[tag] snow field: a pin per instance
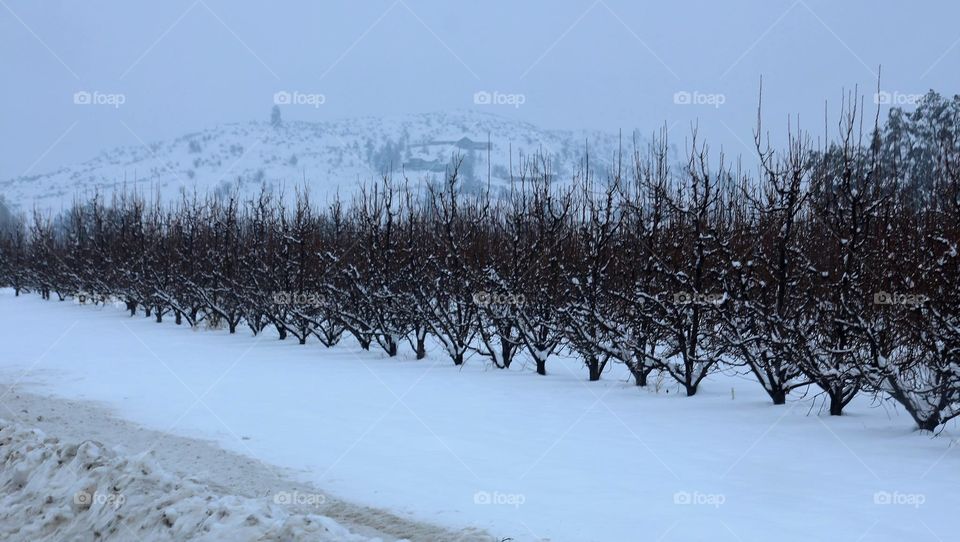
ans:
(523, 456)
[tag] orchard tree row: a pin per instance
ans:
(832, 266)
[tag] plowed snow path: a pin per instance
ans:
(250, 499)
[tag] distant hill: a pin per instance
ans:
(327, 157)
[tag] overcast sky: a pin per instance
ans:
(183, 65)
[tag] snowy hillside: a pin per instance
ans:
(327, 157)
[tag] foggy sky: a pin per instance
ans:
(183, 65)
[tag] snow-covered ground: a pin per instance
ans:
(236, 483)
(522, 456)
(70, 491)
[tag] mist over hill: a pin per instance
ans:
(327, 158)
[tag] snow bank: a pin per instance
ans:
(58, 491)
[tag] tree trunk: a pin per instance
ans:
(640, 373)
(929, 424)
(836, 403)
(391, 347)
(421, 346)
(506, 351)
(778, 394)
(593, 367)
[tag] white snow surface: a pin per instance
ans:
(522, 456)
(225, 472)
(78, 491)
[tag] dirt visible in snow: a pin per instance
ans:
(70, 470)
